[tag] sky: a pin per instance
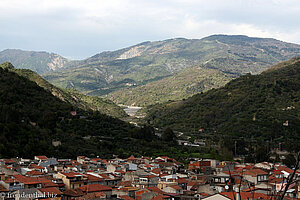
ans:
(78, 29)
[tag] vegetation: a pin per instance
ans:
(186, 83)
(40, 62)
(34, 122)
(253, 110)
(71, 96)
(152, 61)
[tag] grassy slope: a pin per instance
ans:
(186, 83)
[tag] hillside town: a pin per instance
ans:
(145, 179)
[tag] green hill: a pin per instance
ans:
(263, 107)
(186, 83)
(70, 96)
(34, 122)
(151, 61)
(40, 62)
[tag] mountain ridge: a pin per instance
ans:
(263, 107)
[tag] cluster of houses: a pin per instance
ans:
(145, 179)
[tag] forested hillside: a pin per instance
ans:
(263, 107)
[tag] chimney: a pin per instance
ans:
(238, 196)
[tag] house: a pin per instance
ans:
(264, 165)
(12, 184)
(94, 188)
(148, 181)
(199, 165)
(72, 180)
(173, 189)
(255, 175)
(245, 195)
(40, 158)
(216, 197)
(28, 182)
(50, 192)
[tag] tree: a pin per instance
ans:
(168, 135)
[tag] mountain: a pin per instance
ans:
(40, 62)
(182, 85)
(71, 96)
(35, 122)
(147, 62)
(263, 107)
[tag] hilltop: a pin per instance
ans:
(71, 96)
(38, 61)
(149, 62)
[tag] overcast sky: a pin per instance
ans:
(81, 28)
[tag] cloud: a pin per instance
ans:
(82, 27)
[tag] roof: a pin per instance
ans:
(34, 173)
(73, 193)
(93, 178)
(181, 180)
(176, 187)
(51, 191)
(286, 169)
(26, 180)
(125, 184)
(155, 189)
(94, 188)
(160, 197)
(45, 182)
(156, 170)
(125, 197)
(246, 195)
(255, 172)
(3, 189)
(37, 166)
(42, 157)
(71, 174)
(131, 158)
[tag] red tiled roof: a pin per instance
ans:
(51, 191)
(131, 158)
(156, 170)
(125, 184)
(93, 178)
(71, 174)
(255, 172)
(155, 189)
(277, 172)
(105, 176)
(34, 173)
(73, 193)
(96, 159)
(45, 182)
(26, 180)
(3, 189)
(125, 197)
(94, 188)
(284, 168)
(42, 157)
(246, 195)
(160, 197)
(176, 187)
(37, 166)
